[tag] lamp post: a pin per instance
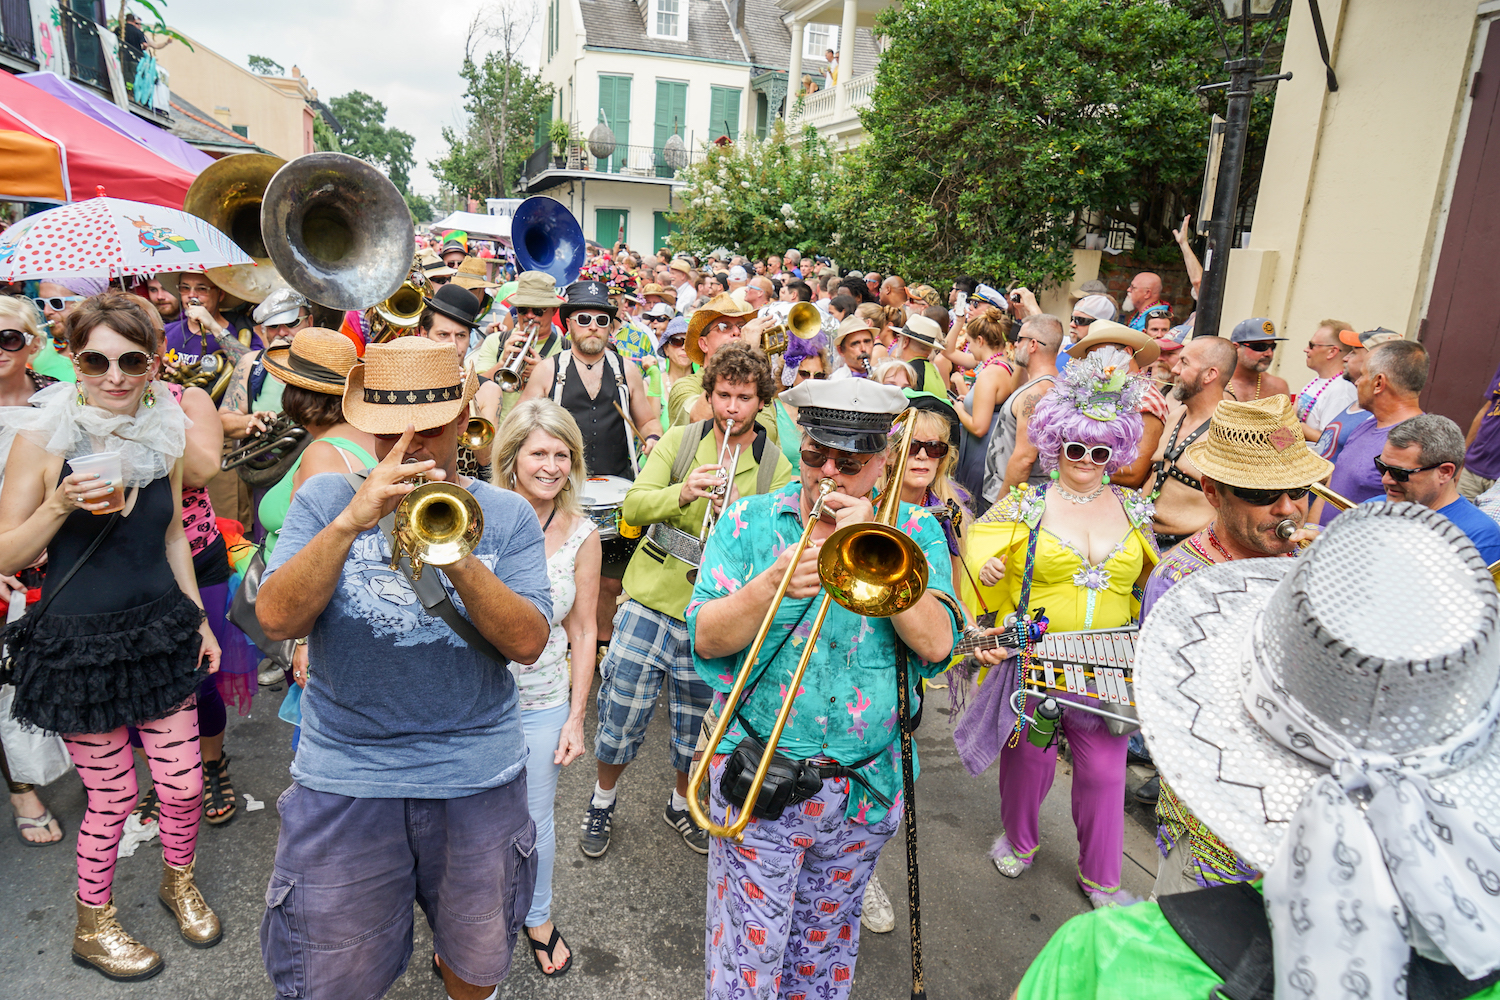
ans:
(1242, 70)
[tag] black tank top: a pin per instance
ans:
(604, 447)
(129, 569)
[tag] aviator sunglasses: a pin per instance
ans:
(1099, 454)
(94, 364)
(815, 459)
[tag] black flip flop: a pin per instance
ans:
(548, 948)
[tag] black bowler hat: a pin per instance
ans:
(456, 303)
(587, 295)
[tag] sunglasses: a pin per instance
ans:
(94, 364)
(806, 374)
(57, 303)
(1399, 474)
(1081, 320)
(726, 327)
(529, 311)
(934, 449)
(430, 432)
(659, 319)
(1260, 346)
(587, 320)
(677, 340)
(1099, 454)
(13, 340)
(1265, 498)
(440, 279)
(815, 459)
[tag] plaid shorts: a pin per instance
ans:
(647, 648)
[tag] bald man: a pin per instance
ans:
(759, 292)
(1012, 459)
(893, 291)
(1202, 370)
(1143, 293)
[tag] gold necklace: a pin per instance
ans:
(1258, 377)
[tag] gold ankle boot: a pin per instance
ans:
(102, 943)
(200, 927)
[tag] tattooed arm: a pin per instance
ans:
(234, 410)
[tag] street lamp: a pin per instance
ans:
(1231, 14)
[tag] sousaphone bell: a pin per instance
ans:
(228, 195)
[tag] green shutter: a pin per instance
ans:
(607, 223)
(762, 113)
(724, 112)
(662, 230)
(671, 115)
(614, 101)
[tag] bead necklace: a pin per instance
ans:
(1258, 377)
(1077, 498)
(1303, 413)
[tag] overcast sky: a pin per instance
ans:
(404, 54)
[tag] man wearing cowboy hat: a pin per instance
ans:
(599, 388)
(252, 401)
(1342, 739)
(712, 325)
(1254, 469)
(1143, 350)
(535, 301)
(409, 781)
(786, 901)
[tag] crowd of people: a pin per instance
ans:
(665, 428)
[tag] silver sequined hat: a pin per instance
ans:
(1386, 632)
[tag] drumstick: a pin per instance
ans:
(638, 435)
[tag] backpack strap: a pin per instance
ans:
(257, 380)
(560, 375)
(687, 449)
(766, 471)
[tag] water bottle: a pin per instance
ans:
(1043, 728)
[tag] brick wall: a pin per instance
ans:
(1117, 270)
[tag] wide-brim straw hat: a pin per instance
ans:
(1257, 444)
(411, 380)
(1385, 630)
(661, 292)
(317, 359)
(1102, 331)
(849, 325)
(535, 290)
(472, 274)
(712, 311)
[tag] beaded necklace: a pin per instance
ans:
(1304, 412)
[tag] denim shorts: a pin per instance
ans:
(338, 920)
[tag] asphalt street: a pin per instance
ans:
(634, 918)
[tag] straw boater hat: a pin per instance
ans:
(535, 290)
(1333, 718)
(1257, 444)
(712, 311)
(1102, 331)
(411, 380)
(922, 330)
(316, 359)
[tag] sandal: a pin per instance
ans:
(42, 822)
(148, 809)
(219, 801)
(548, 949)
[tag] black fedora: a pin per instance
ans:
(456, 303)
(588, 294)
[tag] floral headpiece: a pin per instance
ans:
(1101, 386)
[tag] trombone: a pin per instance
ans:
(510, 374)
(479, 433)
(872, 569)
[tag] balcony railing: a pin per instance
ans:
(15, 29)
(140, 85)
(626, 161)
(85, 53)
(822, 108)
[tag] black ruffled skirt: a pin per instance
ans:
(96, 673)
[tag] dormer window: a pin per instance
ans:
(668, 19)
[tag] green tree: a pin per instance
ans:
(761, 196)
(266, 67)
(366, 135)
(994, 129)
(502, 101)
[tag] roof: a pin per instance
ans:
(764, 42)
(199, 128)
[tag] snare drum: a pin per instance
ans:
(603, 498)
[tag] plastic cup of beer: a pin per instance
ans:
(106, 465)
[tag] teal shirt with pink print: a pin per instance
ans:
(846, 707)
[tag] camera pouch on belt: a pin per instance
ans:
(788, 781)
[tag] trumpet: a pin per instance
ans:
(801, 319)
(1287, 527)
(267, 455)
(437, 524)
(872, 569)
(478, 433)
(722, 490)
(510, 374)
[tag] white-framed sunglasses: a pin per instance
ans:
(1077, 451)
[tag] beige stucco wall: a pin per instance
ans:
(274, 120)
(1347, 218)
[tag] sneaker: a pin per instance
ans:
(1149, 792)
(878, 916)
(692, 834)
(596, 823)
(1102, 900)
(270, 673)
(1007, 862)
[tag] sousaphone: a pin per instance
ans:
(337, 230)
(228, 196)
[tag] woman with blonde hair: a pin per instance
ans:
(893, 371)
(931, 461)
(994, 379)
(538, 453)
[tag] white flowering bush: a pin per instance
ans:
(760, 197)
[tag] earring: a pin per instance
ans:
(1053, 474)
(82, 399)
(1106, 479)
(149, 398)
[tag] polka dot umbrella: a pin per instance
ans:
(110, 237)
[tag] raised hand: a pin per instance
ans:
(388, 482)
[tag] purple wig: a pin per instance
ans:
(1057, 421)
(798, 351)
